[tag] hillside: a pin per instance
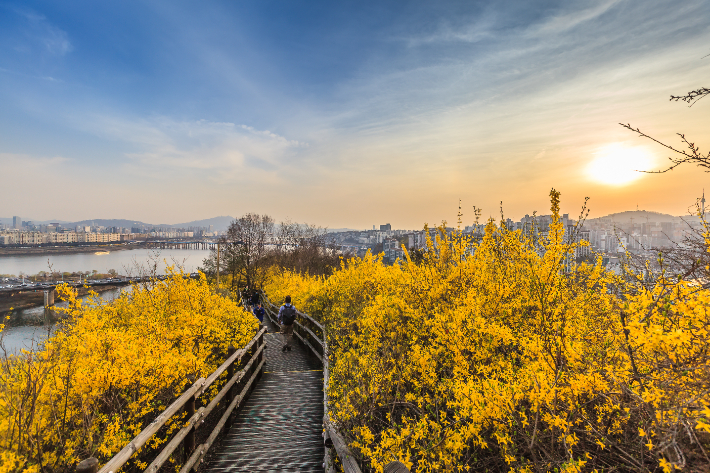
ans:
(642, 216)
(219, 223)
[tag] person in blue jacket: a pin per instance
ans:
(259, 312)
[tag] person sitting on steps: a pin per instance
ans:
(287, 316)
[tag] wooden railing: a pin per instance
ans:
(307, 329)
(254, 352)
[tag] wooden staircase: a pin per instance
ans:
(280, 427)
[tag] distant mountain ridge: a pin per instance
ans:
(219, 223)
(8, 221)
(340, 230)
(643, 216)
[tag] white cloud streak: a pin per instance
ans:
(53, 39)
(165, 146)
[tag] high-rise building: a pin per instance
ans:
(16, 222)
(385, 228)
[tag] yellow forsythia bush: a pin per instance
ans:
(110, 369)
(500, 355)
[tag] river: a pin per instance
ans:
(126, 262)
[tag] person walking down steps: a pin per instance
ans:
(287, 316)
(254, 299)
(259, 312)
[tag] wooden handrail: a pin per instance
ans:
(327, 463)
(200, 415)
(125, 454)
(312, 334)
(396, 467)
(199, 453)
(305, 342)
(229, 361)
(194, 392)
(314, 321)
(347, 459)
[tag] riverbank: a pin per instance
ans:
(69, 250)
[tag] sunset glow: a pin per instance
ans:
(619, 166)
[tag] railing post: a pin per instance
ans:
(260, 358)
(252, 353)
(188, 445)
(230, 393)
(90, 465)
(328, 442)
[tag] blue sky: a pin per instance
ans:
(342, 114)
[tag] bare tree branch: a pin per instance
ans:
(691, 97)
(692, 156)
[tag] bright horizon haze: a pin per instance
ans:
(347, 114)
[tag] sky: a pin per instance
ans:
(347, 114)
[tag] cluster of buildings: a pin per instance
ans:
(26, 233)
(639, 232)
(53, 238)
(608, 236)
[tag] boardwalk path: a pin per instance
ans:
(279, 428)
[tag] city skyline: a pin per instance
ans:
(223, 220)
(347, 115)
(221, 223)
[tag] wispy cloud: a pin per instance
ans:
(41, 31)
(479, 29)
(274, 136)
(17, 161)
(164, 145)
(571, 18)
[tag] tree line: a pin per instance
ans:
(255, 243)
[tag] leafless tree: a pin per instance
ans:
(243, 250)
(305, 249)
(253, 243)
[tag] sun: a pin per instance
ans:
(618, 165)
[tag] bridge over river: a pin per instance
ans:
(271, 415)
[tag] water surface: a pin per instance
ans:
(126, 262)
